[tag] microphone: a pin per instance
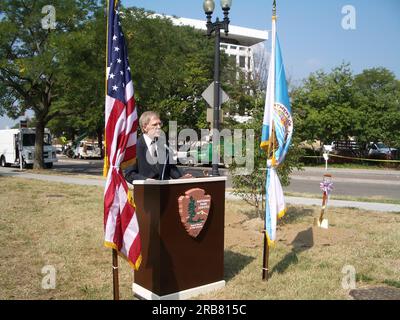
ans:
(166, 160)
(174, 153)
(169, 149)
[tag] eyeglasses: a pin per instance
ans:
(156, 124)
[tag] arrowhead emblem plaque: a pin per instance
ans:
(194, 208)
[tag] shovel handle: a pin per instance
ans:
(321, 217)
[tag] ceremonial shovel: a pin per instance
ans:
(326, 186)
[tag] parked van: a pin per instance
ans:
(10, 147)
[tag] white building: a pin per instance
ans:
(239, 42)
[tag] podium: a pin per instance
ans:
(177, 263)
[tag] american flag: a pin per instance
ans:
(120, 222)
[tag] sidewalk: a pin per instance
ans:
(53, 178)
(374, 206)
(64, 159)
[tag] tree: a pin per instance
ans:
(247, 95)
(377, 93)
(244, 91)
(325, 108)
(30, 49)
(192, 209)
(261, 64)
(171, 67)
(251, 187)
(340, 105)
(83, 73)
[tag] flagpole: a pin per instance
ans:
(265, 258)
(266, 245)
(265, 267)
(115, 274)
(105, 171)
(105, 165)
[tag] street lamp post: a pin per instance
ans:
(216, 26)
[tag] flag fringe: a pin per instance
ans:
(106, 166)
(135, 266)
(282, 213)
(265, 145)
(130, 199)
(271, 243)
(128, 163)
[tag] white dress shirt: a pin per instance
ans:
(151, 146)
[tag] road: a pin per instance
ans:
(303, 181)
(358, 183)
(362, 183)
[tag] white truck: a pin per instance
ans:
(10, 147)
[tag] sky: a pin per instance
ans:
(311, 32)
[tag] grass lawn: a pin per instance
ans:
(60, 225)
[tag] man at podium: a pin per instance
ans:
(152, 158)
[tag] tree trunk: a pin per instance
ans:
(38, 161)
(100, 140)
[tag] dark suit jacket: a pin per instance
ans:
(142, 169)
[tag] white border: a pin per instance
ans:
(143, 293)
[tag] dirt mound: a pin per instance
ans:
(256, 224)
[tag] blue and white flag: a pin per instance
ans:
(276, 135)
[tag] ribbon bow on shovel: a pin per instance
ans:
(326, 186)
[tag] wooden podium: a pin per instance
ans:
(176, 265)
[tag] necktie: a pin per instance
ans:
(153, 148)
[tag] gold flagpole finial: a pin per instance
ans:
(274, 9)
